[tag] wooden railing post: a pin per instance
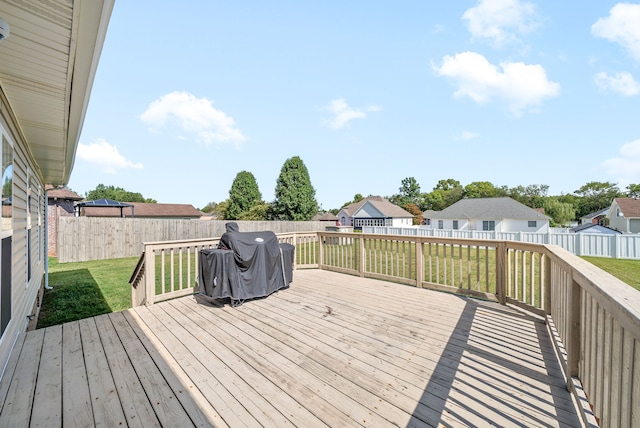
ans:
(419, 263)
(320, 251)
(501, 272)
(149, 275)
(546, 286)
(362, 259)
(574, 316)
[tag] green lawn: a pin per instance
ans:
(625, 270)
(86, 289)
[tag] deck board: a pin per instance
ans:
(332, 350)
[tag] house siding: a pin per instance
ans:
(24, 286)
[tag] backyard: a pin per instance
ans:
(86, 289)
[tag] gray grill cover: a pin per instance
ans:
(253, 264)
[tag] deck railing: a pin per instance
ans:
(593, 317)
(170, 269)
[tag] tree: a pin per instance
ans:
(209, 208)
(220, 210)
(295, 196)
(595, 196)
(356, 198)
(260, 212)
(409, 192)
(243, 195)
(117, 194)
(533, 196)
(633, 190)
(416, 211)
(482, 189)
(561, 213)
(447, 192)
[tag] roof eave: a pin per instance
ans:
(89, 29)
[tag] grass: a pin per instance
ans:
(623, 269)
(86, 289)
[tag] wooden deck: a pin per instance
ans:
(332, 350)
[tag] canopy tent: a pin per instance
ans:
(104, 203)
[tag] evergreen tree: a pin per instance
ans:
(295, 196)
(243, 195)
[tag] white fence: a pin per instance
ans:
(617, 246)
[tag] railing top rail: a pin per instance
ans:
(615, 296)
(177, 242)
(442, 239)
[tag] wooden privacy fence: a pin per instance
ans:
(593, 316)
(98, 238)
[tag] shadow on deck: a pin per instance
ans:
(332, 350)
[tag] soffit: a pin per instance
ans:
(47, 66)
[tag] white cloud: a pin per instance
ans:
(521, 86)
(501, 21)
(468, 135)
(195, 116)
(622, 82)
(626, 168)
(622, 27)
(343, 113)
(105, 155)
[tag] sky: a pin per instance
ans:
(366, 92)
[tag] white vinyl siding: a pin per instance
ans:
(23, 293)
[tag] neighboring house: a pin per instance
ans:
(47, 67)
(328, 217)
(60, 202)
(374, 211)
(624, 215)
(145, 210)
(427, 216)
(595, 218)
(594, 228)
(499, 214)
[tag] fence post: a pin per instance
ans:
(149, 275)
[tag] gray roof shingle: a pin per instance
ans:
(385, 207)
(489, 208)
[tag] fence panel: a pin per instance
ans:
(625, 246)
(98, 238)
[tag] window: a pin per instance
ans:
(488, 225)
(28, 246)
(440, 224)
(7, 233)
(455, 224)
(532, 223)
